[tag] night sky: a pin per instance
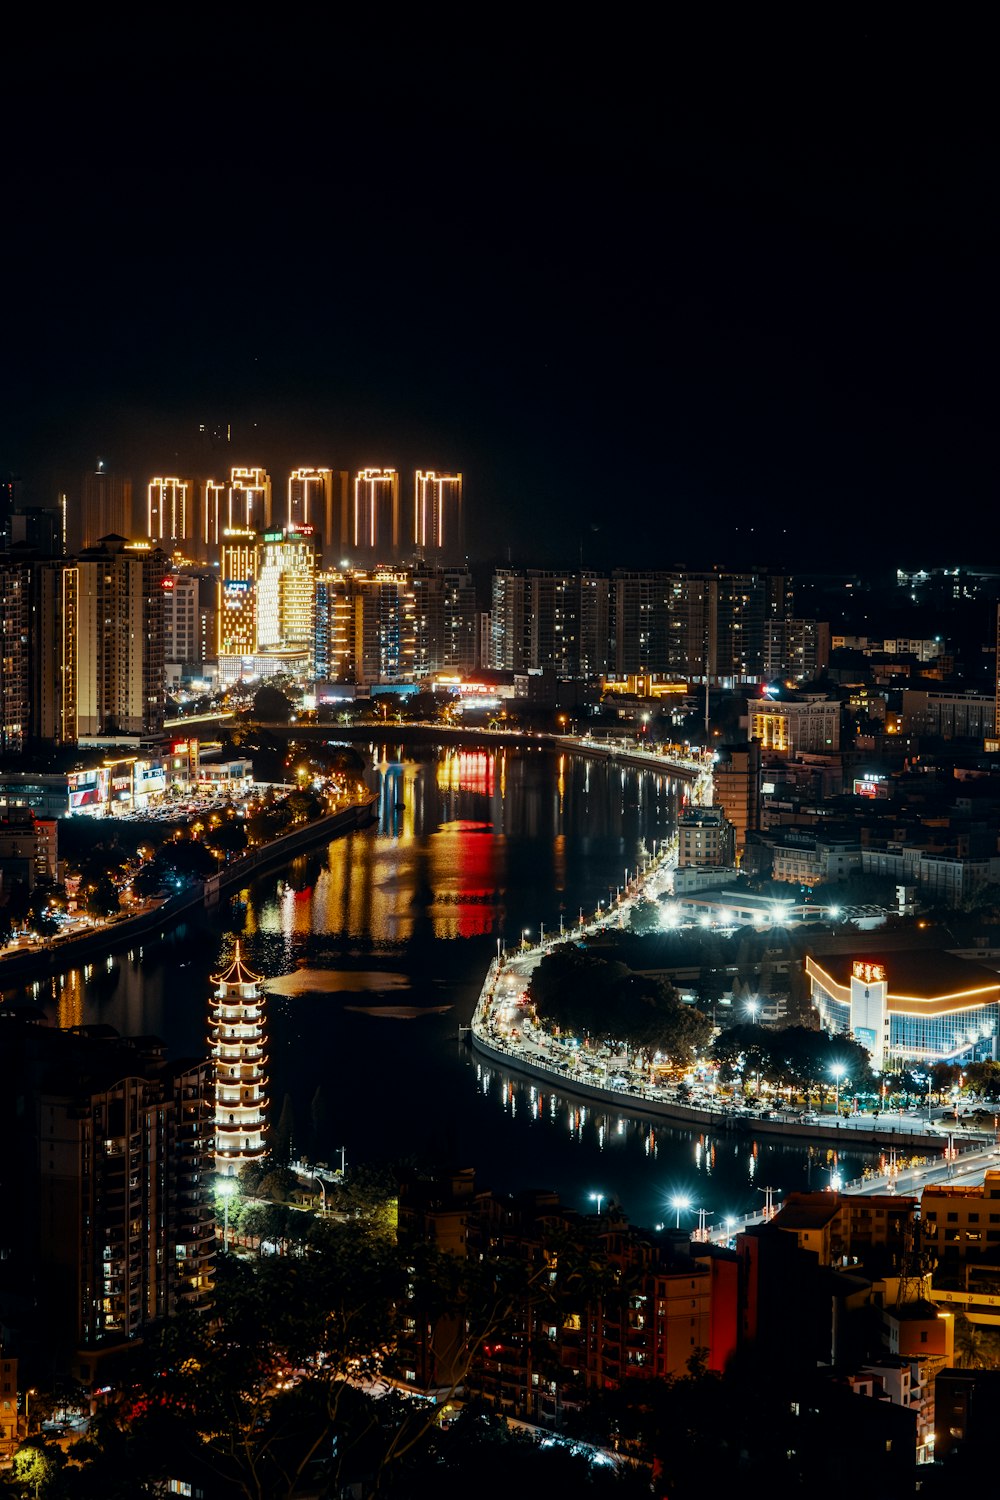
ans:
(728, 299)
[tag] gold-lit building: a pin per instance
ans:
(169, 514)
(437, 513)
(286, 592)
(236, 612)
(375, 519)
(319, 499)
(248, 501)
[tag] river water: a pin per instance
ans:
(373, 951)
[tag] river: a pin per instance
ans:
(373, 951)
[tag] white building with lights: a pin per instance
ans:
(237, 1044)
(915, 1007)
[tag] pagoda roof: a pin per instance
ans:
(237, 973)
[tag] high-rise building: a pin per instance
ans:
(181, 634)
(15, 654)
(105, 507)
(108, 1159)
(236, 614)
(547, 620)
(169, 511)
(510, 636)
(437, 515)
(320, 499)
(444, 620)
(100, 616)
(286, 592)
(248, 501)
(238, 1049)
(375, 519)
(54, 650)
(213, 515)
(365, 626)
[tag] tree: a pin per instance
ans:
(270, 705)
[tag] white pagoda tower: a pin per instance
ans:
(237, 1043)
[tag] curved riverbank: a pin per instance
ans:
(52, 955)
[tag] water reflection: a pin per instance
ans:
(647, 1162)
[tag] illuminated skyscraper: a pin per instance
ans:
(168, 510)
(286, 592)
(236, 612)
(375, 521)
(237, 1046)
(437, 514)
(249, 500)
(319, 498)
(213, 514)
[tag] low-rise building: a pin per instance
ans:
(909, 1007)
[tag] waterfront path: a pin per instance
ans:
(502, 1030)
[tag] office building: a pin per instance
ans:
(375, 520)
(809, 724)
(705, 837)
(237, 1046)
(437, 515)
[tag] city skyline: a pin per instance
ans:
(734, 318)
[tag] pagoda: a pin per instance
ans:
(237, 1048)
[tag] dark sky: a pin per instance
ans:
(718, 299)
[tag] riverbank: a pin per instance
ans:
(497, 1033)
(53, 955)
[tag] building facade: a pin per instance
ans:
(909, 1008)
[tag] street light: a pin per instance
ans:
(226, 1189)
(680, 1205)
(837, 1070)
(600, 1197)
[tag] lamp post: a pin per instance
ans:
(600, 1197)
(680, 1205)
(322, 1188)
(226, 1189)
(838, 1070)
